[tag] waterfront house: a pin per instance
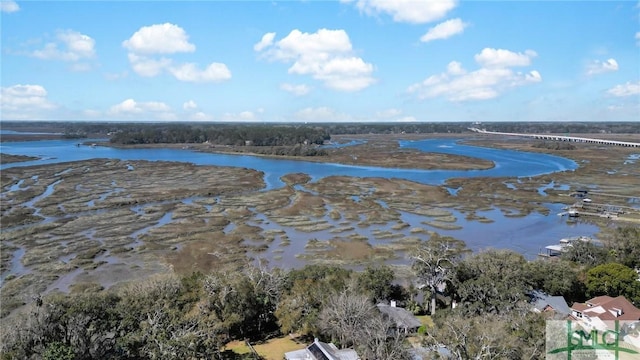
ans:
(594, 313)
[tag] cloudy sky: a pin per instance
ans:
(350, 60)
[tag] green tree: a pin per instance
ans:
(434, 263)
(58, 351)
(556, 278)
(306, 292)
(613, 279)
(377, 281)
(586, 253)
(492, 281)
(625, 247)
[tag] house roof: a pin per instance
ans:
(319, 350)
(401, 317)
(542, 300)
(608, 308)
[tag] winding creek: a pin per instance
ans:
(526, 234)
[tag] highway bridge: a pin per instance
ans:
(561, 138)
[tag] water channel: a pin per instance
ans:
(523, 234)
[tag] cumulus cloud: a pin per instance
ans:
(25, 102)
(190, 105)
(149, 44)
(148, 67)
(164, 38)
(130, 108)
(215, 72)
(492, 78)
(326, 55)
(409, 11)
(297, 90)
(266, 41)
(69, 45)
(598, 67)
(9, 6)
(626, 89)
(444, 30)
(497, 58)
(319, 114)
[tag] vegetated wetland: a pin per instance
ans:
(96, 223)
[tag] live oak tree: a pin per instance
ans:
(304, 295)
(625, 247)
(377, 281)
(613, 279)
(434, 263)
(556, 278)
(492, 281)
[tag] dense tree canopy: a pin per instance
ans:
(613, 279)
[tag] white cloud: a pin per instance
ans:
(326, 55)
(189, 72)
(627, 89)
(152, 110)
(409, 11)
(148, 67)
(266, 41)
(492, 58)
(164, 38)
(149, 41)
(9, 6)
(638, 38)
(298, 90)
(493, 77)
(455, 68)
(242, 116)
(190, 105)
(25, 102)
(320, 114)
(598, 67)
(69, 46)
(444, 30)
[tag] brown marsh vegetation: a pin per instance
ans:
(105, 222)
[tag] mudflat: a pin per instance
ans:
(89, 225)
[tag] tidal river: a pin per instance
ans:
(526, 235)
(508, 163)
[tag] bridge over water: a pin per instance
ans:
(561, 138)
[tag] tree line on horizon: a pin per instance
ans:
(194, 131)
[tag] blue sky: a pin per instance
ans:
(351, 60)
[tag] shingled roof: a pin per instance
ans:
(608, 308)
(402, 318)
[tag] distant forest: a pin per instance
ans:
(291, 134)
